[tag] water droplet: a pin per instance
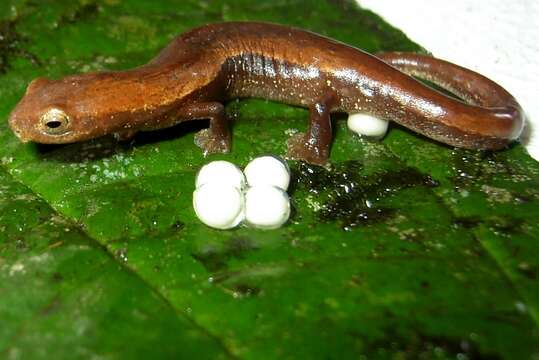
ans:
(521, 307)
(122, 254)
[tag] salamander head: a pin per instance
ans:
(57, 111)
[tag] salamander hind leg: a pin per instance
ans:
(216, 138)
(313, 146)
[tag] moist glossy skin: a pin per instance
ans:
(200, 70)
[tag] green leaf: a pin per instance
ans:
(405, 248)
(64, 295)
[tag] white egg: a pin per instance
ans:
(268, 170)
(222, 172)
(219, 206)
(266, 207)
(367, 125)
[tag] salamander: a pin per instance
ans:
(194, 75)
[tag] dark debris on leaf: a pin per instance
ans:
(10, 46)
(215, 258)
(84, 12)
(471, 166)
(350, 196)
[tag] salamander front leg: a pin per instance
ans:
(215, 139)
(313, 146)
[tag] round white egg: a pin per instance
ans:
(219, 206)
(266, 207)
(268, 170)
(222, 172)
(367, 125)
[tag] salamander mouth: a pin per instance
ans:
(16, 127)
(19, 135)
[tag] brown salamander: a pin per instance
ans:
(199, 70)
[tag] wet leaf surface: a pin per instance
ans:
(403, 248)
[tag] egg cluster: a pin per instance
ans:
(225, 196)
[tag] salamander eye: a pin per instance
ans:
(55, 122)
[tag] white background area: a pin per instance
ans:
(497, 38)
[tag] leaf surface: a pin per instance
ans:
(405, 248)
